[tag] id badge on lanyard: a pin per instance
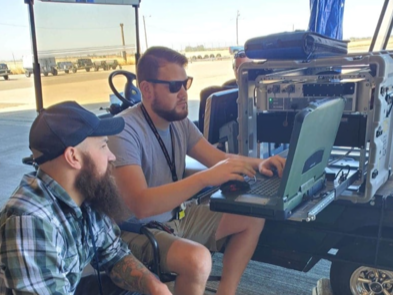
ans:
(181, 210)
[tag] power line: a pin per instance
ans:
(206, 30)
(12, 25)
(53, 28)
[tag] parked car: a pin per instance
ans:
(66, 66)
(100, 64)
(84, 63)
(4, 71)
(47, 65)
(112, 64)
(106, 64)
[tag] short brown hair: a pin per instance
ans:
(156, 57)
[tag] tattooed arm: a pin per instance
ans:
(130, 274)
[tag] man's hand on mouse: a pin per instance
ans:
(267, 166)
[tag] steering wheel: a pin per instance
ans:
(132, 95)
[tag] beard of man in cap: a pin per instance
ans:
(100, 191)
(87, 177)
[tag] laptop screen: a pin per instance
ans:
(310, 146)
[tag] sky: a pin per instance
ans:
(173, 23)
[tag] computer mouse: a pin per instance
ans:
(234, 186)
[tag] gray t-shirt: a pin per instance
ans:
(137, 145)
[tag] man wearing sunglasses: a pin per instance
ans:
(238, 59)
(150, 163)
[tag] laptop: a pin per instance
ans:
(311, 143)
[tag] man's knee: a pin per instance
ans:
(199, 260)
(189, 258)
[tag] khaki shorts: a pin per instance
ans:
(199, 225)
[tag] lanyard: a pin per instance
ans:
(171, 163)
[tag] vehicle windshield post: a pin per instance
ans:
(384, 26)
(138, 45)
(36, 65)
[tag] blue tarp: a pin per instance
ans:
(326, 18)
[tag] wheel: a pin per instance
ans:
(54, 72)
(355, 279)
(87, 69)
(95, 69)
(27, 74)
(350, 279)
(5, 77)
(46, 74)
(74, 70)
(67, 71)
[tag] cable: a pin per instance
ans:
(340, 158)
(343, 176)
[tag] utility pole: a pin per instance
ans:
(123, 42)
(13, 57)
(144, 26)
(237, 27)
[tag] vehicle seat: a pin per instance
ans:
(205, 93)
(220, 120)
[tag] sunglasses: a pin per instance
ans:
(174, 86)
(240, 54)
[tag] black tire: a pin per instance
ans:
(74, 70)
(348, 278)
(27, 74)
(46, 74)
(5, 77)
(67, 71)
(54, 72)
(87, 69)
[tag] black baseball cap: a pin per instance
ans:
(67, 124)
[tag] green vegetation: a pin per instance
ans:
(195, 48)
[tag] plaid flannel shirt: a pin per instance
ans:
(45, 242)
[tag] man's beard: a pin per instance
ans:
(100, 192)
(170, 115)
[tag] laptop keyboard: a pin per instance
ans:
(265, 186)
